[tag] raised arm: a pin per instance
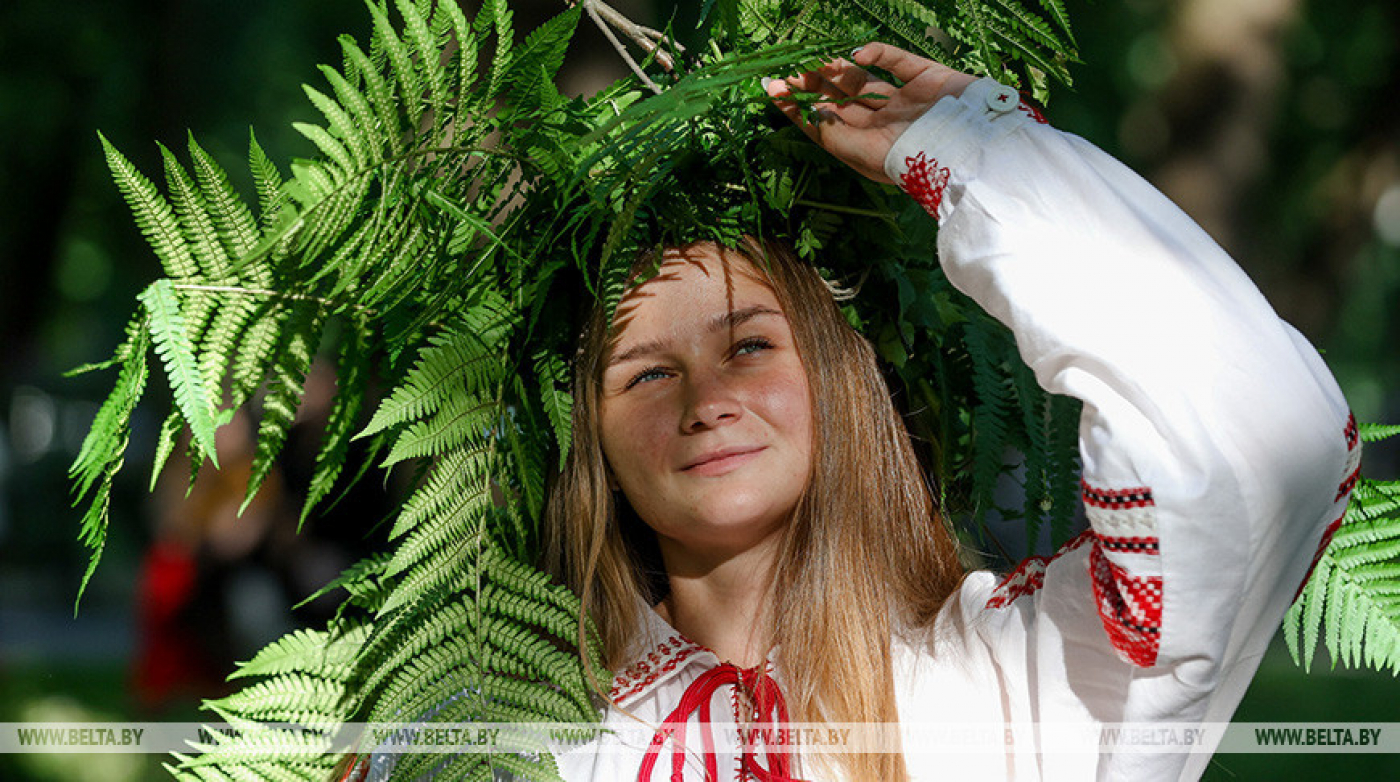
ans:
(1217, 448)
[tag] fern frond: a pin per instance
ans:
(219, 346)
(1372, 433)
(168, 335)
(360, 69)
(496, 16)
(990, 414)
(272, 198)
(352, 374)
(101, 454)
(331, 148)
(319, 652)
(428, 55)
(463, 418)
(467, 44)
(198, 228)
(154, 215)
(362, 580)
(437, 550)
(1352, 598)
(535, 63)
(466, 359)
(236, 227)
(400, 59)
(257, 347)
(301, 335)
(294, 697)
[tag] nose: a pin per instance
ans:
(710, 401)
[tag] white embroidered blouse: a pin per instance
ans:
(1218, 457)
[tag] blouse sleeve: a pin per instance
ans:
(1218, 452)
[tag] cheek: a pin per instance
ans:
(627, 438)
(789, 404)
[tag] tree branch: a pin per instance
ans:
(608, 18)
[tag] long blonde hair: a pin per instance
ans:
(864, 554)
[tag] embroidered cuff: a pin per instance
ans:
(944, 146)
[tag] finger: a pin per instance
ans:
(853, 82)
(838, 103)
(904, 66)
(780, 91)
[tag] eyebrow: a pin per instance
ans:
(728, 320)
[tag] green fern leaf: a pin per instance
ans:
(199, 229)
(345, 134)
(301, 336)
(463, 418)
(350, 115)
(426, 51)
(169, 436)
(537, 60)
(168, 335)
(1373, 433)
(219, 347)
(307, 651)
(154, 215)
(1353, 596)
(496, 15)
(461, 361)
(101, 454)
(456, 527)
(272, 199)
(235, 224)
(360, 68)
(294, 697)
(467, 45)
(976, 16)
(352, 373)
(451, 474)
(257, 348)
(400, 61)
(991, 412)
(1056, 9)
(362, 580)
(552, 374)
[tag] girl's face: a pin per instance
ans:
(706, 417)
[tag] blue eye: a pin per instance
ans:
(646, 375)
(752, 345)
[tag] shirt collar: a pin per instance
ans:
(658, 655)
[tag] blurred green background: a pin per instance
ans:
(1275, 123)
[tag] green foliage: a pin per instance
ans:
(459, 217)
(1352, 599)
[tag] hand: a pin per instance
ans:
(860, 132)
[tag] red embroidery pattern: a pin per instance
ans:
(925, 181)
(1353, 473)
(1348, 484)
(1130, 607)
(1130, 545)
(644, 672)
(1317, 556)
(1029, 576)
(1125, 570)
(1031, 111)
(1119, 499)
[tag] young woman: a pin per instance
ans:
(734, 435)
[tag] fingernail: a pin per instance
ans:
(765, 81)
(856, 51)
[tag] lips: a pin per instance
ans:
(722, 460)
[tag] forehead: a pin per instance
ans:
(691, 284)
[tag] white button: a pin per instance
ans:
(1003, 99)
